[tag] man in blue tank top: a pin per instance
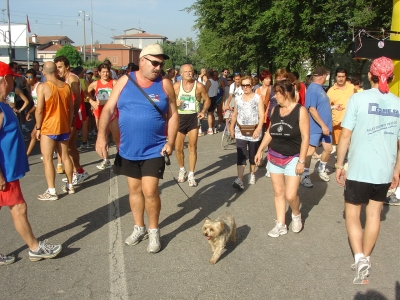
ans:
(143, 141)
(13, 166)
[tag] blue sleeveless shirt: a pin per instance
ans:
(141, 126)
(13, 160)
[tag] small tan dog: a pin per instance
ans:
(218, 233)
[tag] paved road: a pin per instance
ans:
(95, 263)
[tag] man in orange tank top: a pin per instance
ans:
(64, 72)
(54, 115)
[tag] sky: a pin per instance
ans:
(110, 17)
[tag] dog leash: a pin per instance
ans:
(187, 196)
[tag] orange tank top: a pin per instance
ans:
(56, 111)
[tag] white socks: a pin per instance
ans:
(321, 166)
(52, 191)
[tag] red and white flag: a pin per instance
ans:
(27, 24)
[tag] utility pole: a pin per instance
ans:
(9, 32)
(84, 33)
(91, 31)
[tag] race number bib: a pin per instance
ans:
(10, 98)
(189, 103)
(103, 94)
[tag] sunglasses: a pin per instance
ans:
(155, 63)
(246, 85)
(30, 77)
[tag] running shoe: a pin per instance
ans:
(46, 196)
(324, 175)
(105, 164)
(296, 223)
(59, 169)
(277, 230)
(267, 174)
(69, 190)
(252, 179)
(77, 178)
(84, 146)
(45, 251)
(392, 200)
(362, 271)
(210, 131)
(6, 260)
(154, 241)
(306, 181)
(192, 181)
(139, 234)
(238, 183)
(182, 176)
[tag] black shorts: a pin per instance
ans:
(19, 104)
(188, 123)
(356, 192)
(213, 104)
(153, 167)
(88, 109)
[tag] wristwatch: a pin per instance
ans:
(38, 128)
(301, 162)
(339, 167)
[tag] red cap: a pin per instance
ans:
(383, 68)
(5, 69)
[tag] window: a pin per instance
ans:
(41, 56)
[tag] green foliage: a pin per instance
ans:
(177, 54)
(250, 35)
(72, 54)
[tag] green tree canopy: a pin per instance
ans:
(247, 35)
(72, 54)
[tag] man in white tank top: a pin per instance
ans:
(188, 95)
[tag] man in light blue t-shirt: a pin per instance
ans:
(319, 108)
(371, 126)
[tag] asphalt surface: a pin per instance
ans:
(96, 264)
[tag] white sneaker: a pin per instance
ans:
(252, 179)
(306, 181)
(296, 223)
(277, 230)
(77, 178)
(192, 181)
(267, 174)
(182, 175)
(323, 175)
(154, 241)
(238, 183)
(105, 164)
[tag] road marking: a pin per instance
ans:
(118, 288)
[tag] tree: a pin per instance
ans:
(72, 54)
(281, 33)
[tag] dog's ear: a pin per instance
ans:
(207, 219)
(222, 225)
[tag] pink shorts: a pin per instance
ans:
(12, 195)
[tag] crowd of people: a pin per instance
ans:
(276, 114)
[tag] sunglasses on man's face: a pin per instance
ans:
(30, 77)
(155, 63)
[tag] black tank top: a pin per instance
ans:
(285, 132)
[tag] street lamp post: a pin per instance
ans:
(84, 33)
